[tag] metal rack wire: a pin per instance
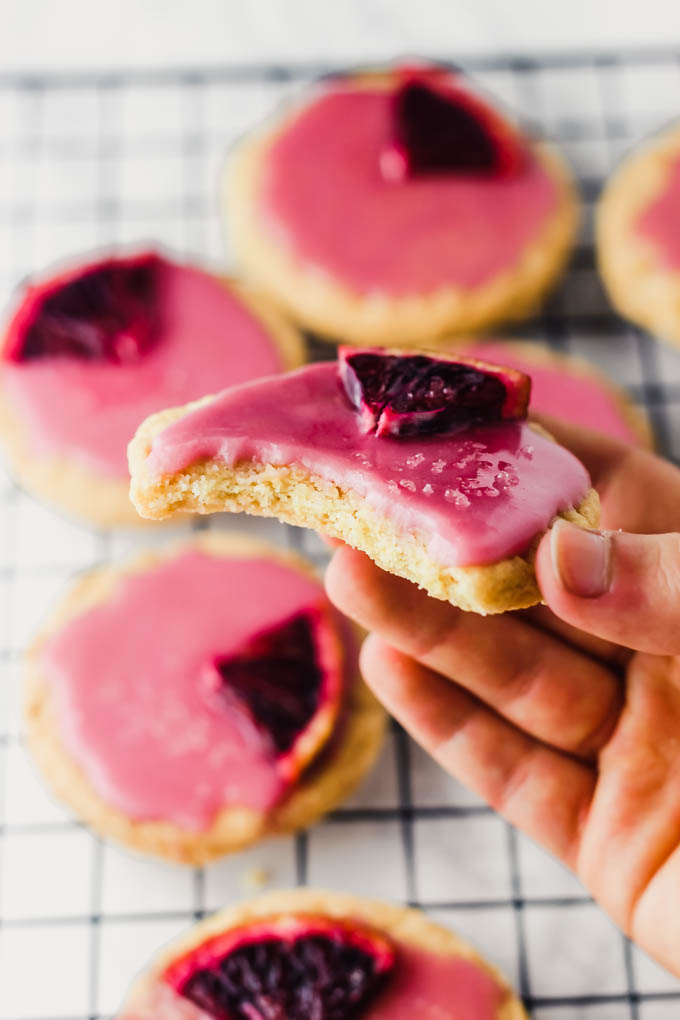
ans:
(93, 159)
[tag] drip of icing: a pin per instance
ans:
(131, 680)
(415, 236)
(423, 985)
(571, 395)
(476, 496)
(660, 221)
(87, 410)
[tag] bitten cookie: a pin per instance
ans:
(303, 953)
(425, 463)
(200, 699)
(570, 388)
(394, 207)
(91, 351)
(638, 231)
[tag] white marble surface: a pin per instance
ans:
(68, 35)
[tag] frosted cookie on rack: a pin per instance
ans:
(305, 954)
(569, 388)
(425, 463)
(391, 208)
(638, 236)
(200, 699)
(92, 350)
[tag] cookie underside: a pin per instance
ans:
(297, 496)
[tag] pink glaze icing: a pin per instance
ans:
(88, 410)
(134, 693)
(660, 221)
(477, 496)
(324, 195)
(424, 986)
(427, 986)
(572, 395)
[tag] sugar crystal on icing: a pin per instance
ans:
(457, 497)
(506, 479)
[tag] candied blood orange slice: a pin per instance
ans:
(286, 968)
(109, 311)
(444, 129)
(287, 682)
(414, 394)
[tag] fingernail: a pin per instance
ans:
(581, 559)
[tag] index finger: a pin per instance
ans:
(639, 491)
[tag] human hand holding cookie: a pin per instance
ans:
(565, 717)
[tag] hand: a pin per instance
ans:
(565, 717)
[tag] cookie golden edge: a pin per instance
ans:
(542, 355)
(234, 828)
(403, 924)
(94, 499)
(640, 287)
(299, 497)
(319, 302)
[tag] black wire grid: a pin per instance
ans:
(94, 159)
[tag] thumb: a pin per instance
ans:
(620, 587)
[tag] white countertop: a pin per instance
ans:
(36, 35)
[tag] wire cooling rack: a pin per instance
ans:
(97, 159)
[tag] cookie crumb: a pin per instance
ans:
(256, 878)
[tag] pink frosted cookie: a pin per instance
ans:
(394, 207)
(199, 699)
(638, 236)
(426, 463)
(569, 388)
(90, 352)
(303, 954)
